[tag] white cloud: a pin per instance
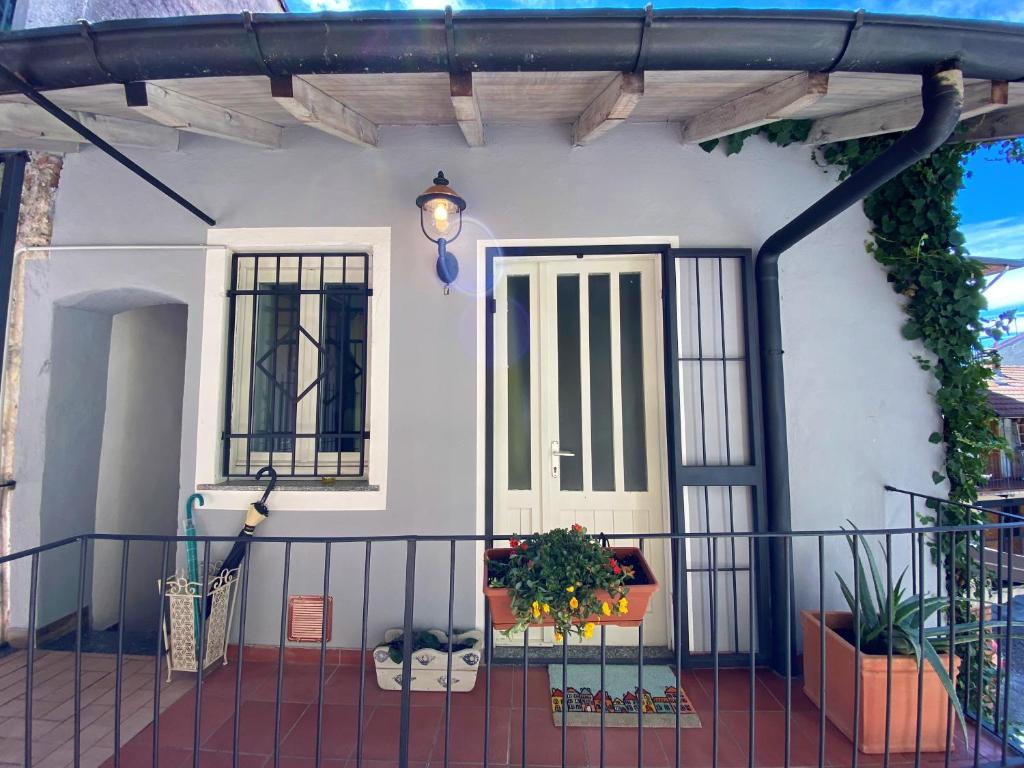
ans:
(997, 239)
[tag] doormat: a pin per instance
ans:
(583, 699)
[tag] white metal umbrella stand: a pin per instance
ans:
(185, 604)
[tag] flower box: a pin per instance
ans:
(839, 690)
(641, 589)
(430, 665)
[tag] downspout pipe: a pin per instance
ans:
(942, 94)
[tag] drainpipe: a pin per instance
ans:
(942, 94)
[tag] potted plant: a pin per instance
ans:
(430, 651)
(878, 609)
(566, 579)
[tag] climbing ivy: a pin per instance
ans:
(915, 237)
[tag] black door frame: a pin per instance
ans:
(680, 476)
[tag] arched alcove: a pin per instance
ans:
(113, 444)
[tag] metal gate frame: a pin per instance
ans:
(752, 475)
(680, 476)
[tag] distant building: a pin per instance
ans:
(1006, 396)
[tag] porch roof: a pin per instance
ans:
(712, 71)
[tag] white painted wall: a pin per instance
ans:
(138, 468)
(859, 407)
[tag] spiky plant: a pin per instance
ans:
(889, 618)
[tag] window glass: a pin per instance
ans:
(570, 417)
(602, 446)
(518, 345)
(634, 429)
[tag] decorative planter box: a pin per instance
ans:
(640, 592)
(430, 666)
(839, 689)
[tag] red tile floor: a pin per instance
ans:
(380, 726)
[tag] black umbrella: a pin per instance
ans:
(256, 514)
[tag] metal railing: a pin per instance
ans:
(812, 552)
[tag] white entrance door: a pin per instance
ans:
(578, 430)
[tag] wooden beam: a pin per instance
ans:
(777, 101)
(979, 98)
(467, 108)
(187, 113)
(12, 141)
(312, 107)
(29, 121)
(610, 109)
(1004, 124)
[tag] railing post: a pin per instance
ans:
(407, 629)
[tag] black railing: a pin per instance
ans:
(812, 553)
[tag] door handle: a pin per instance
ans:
(556, 458)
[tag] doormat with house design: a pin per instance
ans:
(583, 699)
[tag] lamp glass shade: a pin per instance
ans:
(441, 218)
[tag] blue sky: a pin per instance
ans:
(992, 204)
(1002, 10)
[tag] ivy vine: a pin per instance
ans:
(915, 236)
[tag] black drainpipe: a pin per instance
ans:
(942, 94)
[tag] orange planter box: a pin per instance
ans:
(639, 596)
(839, 690)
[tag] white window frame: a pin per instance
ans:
(345, 494)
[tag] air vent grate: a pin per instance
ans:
(306, 617)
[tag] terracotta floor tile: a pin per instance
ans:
(770, 739)
(538, 691)
(212, 759)
(544, 740)
(620, 747)
(338, 736)
(255, 727)
(177, 723)
(502, 679)
(222, 681)
(300, 684)
(381, 735)
(733, 692)
(466, 737)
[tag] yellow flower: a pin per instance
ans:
(588, 629)
(570, 589)
(574, 603)
(606, 609)
(558, 637)
(623, 605)
(546, 608)
(536, 609)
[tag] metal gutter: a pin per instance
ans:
(501, 41)
(942, 95)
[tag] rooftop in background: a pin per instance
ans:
(1006, 389)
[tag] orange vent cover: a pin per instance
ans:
(306, 617)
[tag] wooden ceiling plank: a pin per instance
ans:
(901, 115)
(29, 121)
(610, 109)
(467, 108)
(312, 107)
(12, 141)
(176, 110)
(1005, 124)
(777, 101)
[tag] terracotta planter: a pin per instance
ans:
(839, 690)
(640, 592)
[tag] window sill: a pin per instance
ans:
(296, 495)
(286, 484)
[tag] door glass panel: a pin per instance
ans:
(518, 343)
(570, 417)
(631, 336)
(602, 446)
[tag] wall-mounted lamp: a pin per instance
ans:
(441, 220)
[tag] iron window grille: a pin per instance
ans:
(296, 395)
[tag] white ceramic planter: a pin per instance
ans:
(430, 667)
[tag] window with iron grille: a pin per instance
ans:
(298, 354)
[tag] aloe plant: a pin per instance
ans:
(877, 609)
